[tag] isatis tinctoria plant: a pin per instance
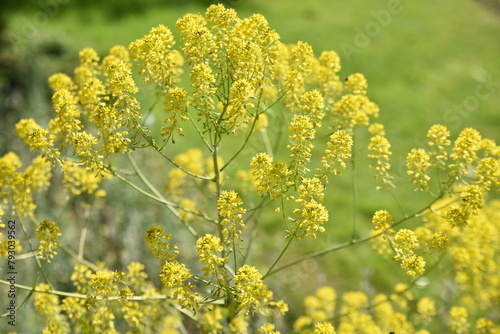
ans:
(245, 129)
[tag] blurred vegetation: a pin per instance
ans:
(421, 68)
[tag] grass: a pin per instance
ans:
(425, 62)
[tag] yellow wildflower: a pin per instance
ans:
(458, 317)
(250, 288)
(380, 147)
(418, 162)
(48, 234)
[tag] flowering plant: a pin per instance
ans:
(265, 129)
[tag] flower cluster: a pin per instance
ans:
(17, 187)
(247, 97)
(380, 148)
(418, 164)
(354, 109)
(404, 243)
(438, 140)
(208, 248)
(252, 292)
(158, 242)
(338, 150)
(48, 235)
(174, 276)
(312, 213)
(318, 308)
(231, 212)
(270, 178)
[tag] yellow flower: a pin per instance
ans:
(160, 63)
(17, 187)
(438, 140)
(231, 212)
(310, 189)
(324, 328)
(356, 83)
(174, 276)
(376, 129)
(158, 242)
(472, 201)
(47, 305)
(61, 81)
(251, 290)
(313, 103)
(338, 150)
(106, 283)
(78, 180)
(176, 104)
(418, 162)
(353, 110)
(382, 220)
(34, 135)
(207, 248)
(48, 234)
(310, 219)
(488, 173)
(268, 177)
(426, 309)
(485, 326)
(301, 135)
(268, 328)
(300, 66)
(203, 82)
(380, 147)
(458, 317)
(404, 242)
(240, 95)
(464, 152)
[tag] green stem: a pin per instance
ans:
(417, 214)
(354, 235)
(77, 257)
(170, 206)
(40, 266)
(83, 235)
(269, 272)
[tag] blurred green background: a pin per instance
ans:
(426, 63)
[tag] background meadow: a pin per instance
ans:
(426, 63)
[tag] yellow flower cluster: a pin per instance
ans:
(338, 150)
(354, 109)
(17, 187)
(207, 248)
(465, 151)
(358, 314)
(404, 243)
(472, 201)
(312, 213)
(302, 133)
(380, 148)
(242, 81)
(270, 178)
(231, 212)
(79, 180)
(438, 140)
(382, 222)
(174, 276)
(418, 163)
(48, 235)
(48, 306)
(318, 308)
(252, 294)
(158, 242)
